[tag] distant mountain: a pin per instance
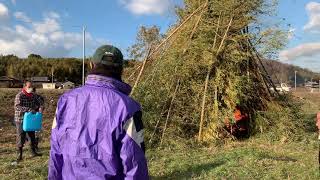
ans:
(282, 72)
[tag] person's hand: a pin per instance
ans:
(33, 111)
(41, 110)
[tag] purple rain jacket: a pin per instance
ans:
(98, 134)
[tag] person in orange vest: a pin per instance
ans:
(240, 125)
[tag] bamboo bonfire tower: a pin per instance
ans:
(191, 81)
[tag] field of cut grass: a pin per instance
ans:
(255, 158)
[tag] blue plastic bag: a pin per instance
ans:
(32, 122)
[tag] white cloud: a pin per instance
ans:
(44, 37)
(303, 50)
(141, 7)
(48, 25)
(22, 16)
(53, 15)
(4, 12)
(313, 9)
(13, 2)
(306, 50)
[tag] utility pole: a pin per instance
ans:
(52, 75)
(52, 69)
(295, 80)
(83, 51)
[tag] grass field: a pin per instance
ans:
(255, 158)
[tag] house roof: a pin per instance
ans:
(6, 78)
(40, 79)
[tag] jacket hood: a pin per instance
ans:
(103, 81)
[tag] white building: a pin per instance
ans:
(48, 85)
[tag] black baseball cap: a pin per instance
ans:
(108, 55)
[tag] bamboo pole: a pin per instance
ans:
(206, 86)
(162, 111)
(203, 104)
(184, 51)
(151, 53)
(151, 75)
(177, 29)
(134, 72)
(216, 105)
(196, 26)
(269, 80)
(224, 37)
(169, 111)
(141, 70)
(207, 80)
(156, 127)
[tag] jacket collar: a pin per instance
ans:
(103, 81)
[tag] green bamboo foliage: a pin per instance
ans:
(219, 45)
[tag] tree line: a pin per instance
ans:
(62, 69)
(281, 72)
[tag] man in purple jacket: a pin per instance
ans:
(98, 132)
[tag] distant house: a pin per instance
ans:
(68, 85)
(8, 82)
(48, 85)
(38, 81)
(311, 84)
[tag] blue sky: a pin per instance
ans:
(304, 42)
(53, 28)
(114, 22)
